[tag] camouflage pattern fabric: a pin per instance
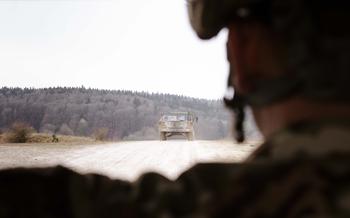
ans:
(303, 171)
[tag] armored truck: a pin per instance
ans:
(177, 123)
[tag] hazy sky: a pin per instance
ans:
(109, 44)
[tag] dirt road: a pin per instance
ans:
(125, 160)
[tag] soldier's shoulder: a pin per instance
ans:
(313, 139)
(302, 186)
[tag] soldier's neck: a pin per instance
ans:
(275, 117)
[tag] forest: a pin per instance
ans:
(126, 115)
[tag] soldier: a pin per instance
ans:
(290, 62)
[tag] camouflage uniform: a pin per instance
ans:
(303, 171)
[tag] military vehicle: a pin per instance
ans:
(177, 123)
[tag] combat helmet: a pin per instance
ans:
(317, 46)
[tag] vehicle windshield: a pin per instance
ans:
(175, 117)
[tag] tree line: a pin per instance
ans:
(126, 115)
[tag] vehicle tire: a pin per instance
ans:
(162, 136)
(190, 136)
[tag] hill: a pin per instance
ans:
(126, 115)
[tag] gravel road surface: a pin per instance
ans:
(124, 160)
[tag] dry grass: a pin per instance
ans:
(101, 134)
(2, 139)
(42, 138)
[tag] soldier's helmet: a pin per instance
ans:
(317, 43)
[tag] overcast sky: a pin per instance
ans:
(111, 44)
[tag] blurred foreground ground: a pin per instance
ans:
(125, 160)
